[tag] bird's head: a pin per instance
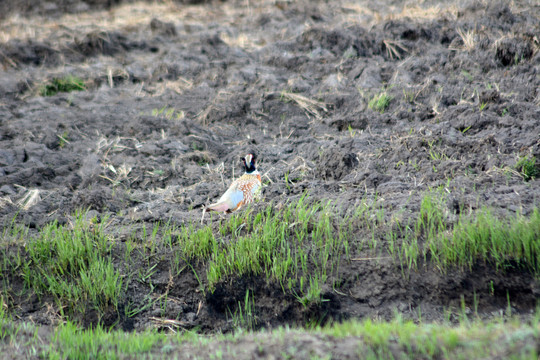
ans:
(249, 163)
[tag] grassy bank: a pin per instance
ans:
(367, 340)
(300, 246)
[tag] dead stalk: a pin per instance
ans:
(310, 106)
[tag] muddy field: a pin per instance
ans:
(175, 93)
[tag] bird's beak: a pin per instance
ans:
(249, 157)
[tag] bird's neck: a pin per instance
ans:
(253, 172)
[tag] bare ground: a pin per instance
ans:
(176, 93)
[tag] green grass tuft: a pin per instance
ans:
(482, 237)
(65, 84)
(504, 243)
(380, 102)
(528, 168)
(298, 247)
(72, 264)
(244, 317)
(197, 244)
(71, 342)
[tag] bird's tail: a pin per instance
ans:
(221, 206)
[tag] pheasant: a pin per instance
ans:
(242, 191)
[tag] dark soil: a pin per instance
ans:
(176, 93)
